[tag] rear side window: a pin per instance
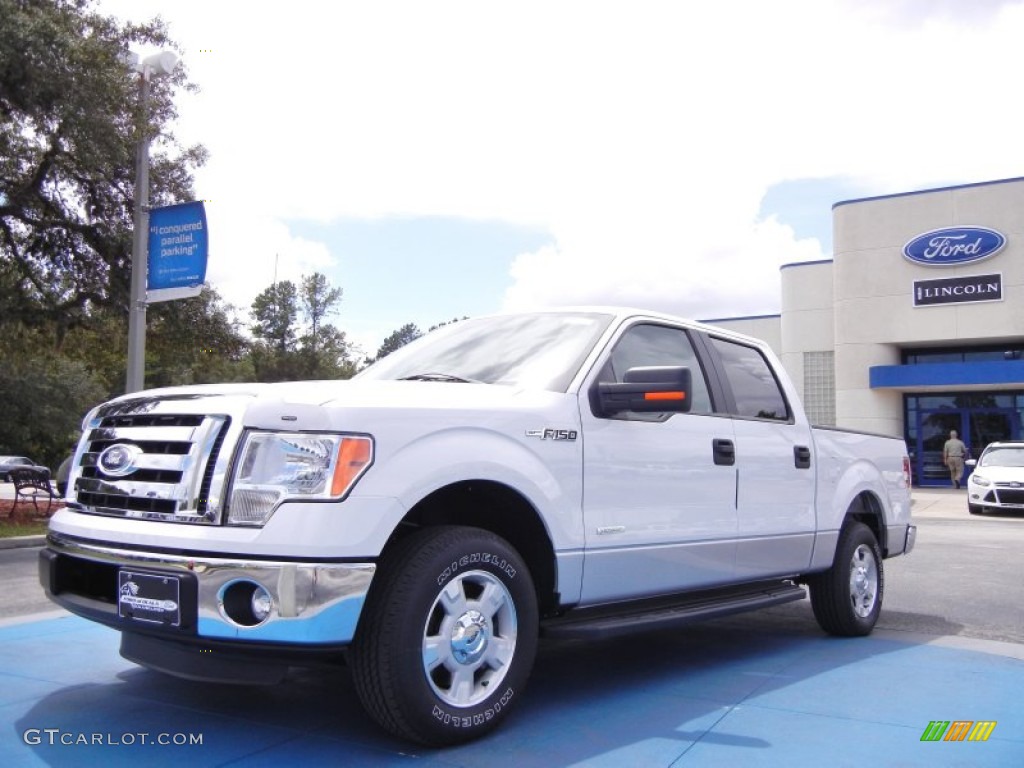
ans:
(754, 386)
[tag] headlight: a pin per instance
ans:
(979, 480)
(274, 466)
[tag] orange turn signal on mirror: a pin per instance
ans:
(664, 395)
(354, 455)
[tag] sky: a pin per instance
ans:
(450, 159)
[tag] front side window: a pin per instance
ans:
(754, 386)
(657, 345)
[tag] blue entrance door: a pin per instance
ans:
(933, 428)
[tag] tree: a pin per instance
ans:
(70, 119)
(401, 337)
(318, 301)
(45, 397)
(447, 322)
(334, 359)
(195, 341)
(274, 313)
(281, 353)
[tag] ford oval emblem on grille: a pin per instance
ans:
(119, 460)
(954, 245)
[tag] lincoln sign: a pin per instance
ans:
(958, 290)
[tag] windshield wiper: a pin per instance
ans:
(439, 377)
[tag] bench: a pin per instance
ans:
(32, 484)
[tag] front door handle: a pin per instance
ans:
(724, 452)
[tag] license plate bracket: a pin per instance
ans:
(150, 598)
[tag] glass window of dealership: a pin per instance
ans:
(915, 327)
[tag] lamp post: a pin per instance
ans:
(162, 63)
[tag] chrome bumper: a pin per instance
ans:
(312, 603)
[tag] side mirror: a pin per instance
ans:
(655, 389)
(970, 463)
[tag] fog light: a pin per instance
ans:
(246, 603)
(261, 604)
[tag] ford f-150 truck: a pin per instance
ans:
(572, 473)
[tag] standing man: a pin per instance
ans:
(953, 454)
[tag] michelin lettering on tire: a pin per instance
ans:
(465, 721)
(477, 558)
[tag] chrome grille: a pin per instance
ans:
(173, 469)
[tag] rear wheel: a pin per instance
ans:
(847, 598)
(448, 636)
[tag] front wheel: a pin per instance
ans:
(976, 509)
(448, 636)
(847, 598)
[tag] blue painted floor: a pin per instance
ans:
(715, 694)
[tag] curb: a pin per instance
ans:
(17, 542)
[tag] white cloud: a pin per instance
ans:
(641, 135)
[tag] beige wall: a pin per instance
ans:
(860, 305)
(873, 288)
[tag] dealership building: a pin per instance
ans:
(915, 327)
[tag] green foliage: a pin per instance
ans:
(318, 301)
(447, 322)
(70, 120)
(401, 337)
(274, 314)
(289, 351)
(45, 397)
(195, 341)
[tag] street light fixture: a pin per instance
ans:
(162, 63)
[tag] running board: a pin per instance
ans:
(622, 618)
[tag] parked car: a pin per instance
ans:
(997, 482)
(7, 463)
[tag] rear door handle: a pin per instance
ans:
(724, 452)
(802, 456)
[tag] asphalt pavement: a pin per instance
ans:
(754, 689)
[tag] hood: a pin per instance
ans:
(1001, 474)
(265, 403)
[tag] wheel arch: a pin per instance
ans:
(866, 508)
(500, 509)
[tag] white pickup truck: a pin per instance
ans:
(566, 473)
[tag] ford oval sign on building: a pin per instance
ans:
(953, 246)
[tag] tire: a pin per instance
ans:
(847, 598)
(976, 509)
(448, 636)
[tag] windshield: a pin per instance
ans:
(539, 351)
(1003, 457)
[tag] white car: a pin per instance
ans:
(997, 482)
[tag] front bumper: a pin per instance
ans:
(312, 603)
(997, 497)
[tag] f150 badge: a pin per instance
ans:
(552, 434)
